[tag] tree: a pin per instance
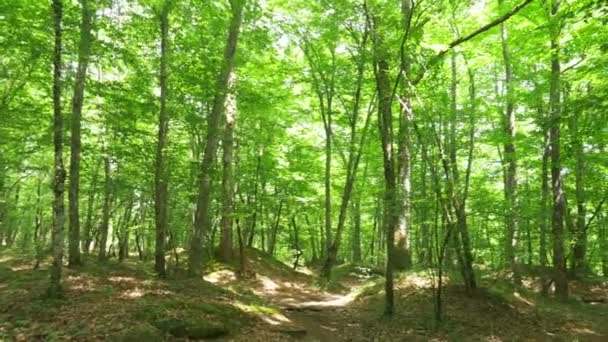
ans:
(510, 159)
(227, 177)
(559, 258)
(77, 102)
(55, 289)
(160, 176)
(202, 220)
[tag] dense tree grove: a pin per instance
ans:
(427, 134)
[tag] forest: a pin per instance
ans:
(314, 170)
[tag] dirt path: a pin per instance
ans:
(315, 315)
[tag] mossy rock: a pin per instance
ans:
(140, 332)
(192, 329)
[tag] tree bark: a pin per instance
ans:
(385, 126)
(226, 251)
(77, 101)
(559, 261)
(544, 198)
(273, 234)
(55, 288)
(202, 220)
(161, 181)
(510, 160)
(107, 203)
(403, 259)
(88, 238)
(579, 250)
(123, 236)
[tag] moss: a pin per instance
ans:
(140, 332)
(189, 328)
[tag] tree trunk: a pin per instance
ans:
(603, 242)
(273, 234)
(544, 216)
(356, 239)
(227, 177)
(559, 261)
(79, 83)
(202, 220)
(88, 238)
(403, 259)
(123, 241)
(55, 289)
(579, 251)
(161, 181)
(107, 202)
(385, 125)
(354, 158)
(510, 161)
(39, 242)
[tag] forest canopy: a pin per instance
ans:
(450, 137)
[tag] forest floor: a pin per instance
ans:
(126, 302)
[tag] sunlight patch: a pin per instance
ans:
(268, 284)
(220, 277)
(134, 293)
(6, 258)
(21, 268)
(122, 279)
(522, 299)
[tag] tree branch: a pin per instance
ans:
(472, 35)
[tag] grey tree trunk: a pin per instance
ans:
(544, 198)
(202, 219)
(161, 180)
(510, 161)
(123, 234)
(559, 260)
(107, 202)
(77, 101)
(88, 225)
(356, 238)
(55, 289)
(226, 250)
(354, 158)
(579, 250)
(385, 125)
(403, 259)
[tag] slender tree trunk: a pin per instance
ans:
(354, 158)
(544, 197)
(313, 242)
(510, 161)
(3, 202)
(385, 125)
(559, 260)
(38, 234)
(55, 289)
(77, 101)
(123, 236)
(256, 204)
(328, 149)
(202, 220)
(579, 251)
(273, 234)
(403, 259)
(161, 178)
(107, 203)
(356, 239)
(87, 238)
(227, 177)
(603, 242)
